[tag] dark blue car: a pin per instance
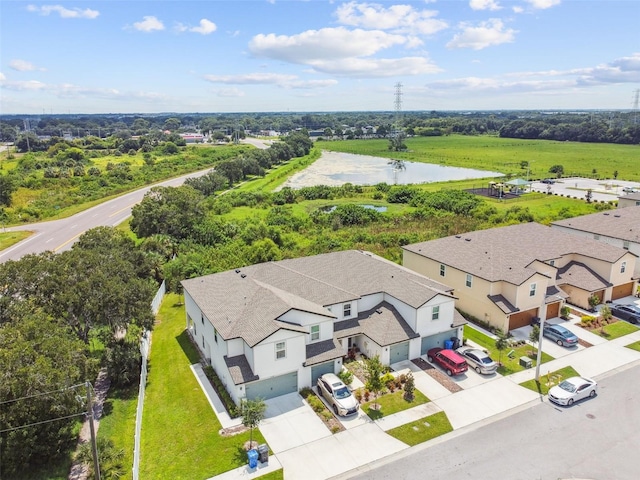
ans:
(560, 335)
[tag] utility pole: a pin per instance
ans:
(94, 445)
(543, 316)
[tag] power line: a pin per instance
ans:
(40, 423)
(41, 394)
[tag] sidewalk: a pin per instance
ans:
(481, 400)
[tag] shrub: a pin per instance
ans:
(367, 394)
(587, 320)
(358, 395)
(346, 376)
(565, 311)
(232, 408)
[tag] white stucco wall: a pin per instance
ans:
(265, 363)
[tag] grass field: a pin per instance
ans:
(549, 380)
(505, 154)
(422, 430)
(180, 438)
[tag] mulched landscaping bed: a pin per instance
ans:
(584, 343)
(442, 378)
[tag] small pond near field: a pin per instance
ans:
(335, 169)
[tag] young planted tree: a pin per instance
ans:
(534, 335)
(409, 388)
(501, 343)
(252, 414)
(374, 383)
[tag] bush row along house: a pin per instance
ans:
(273, 328)
(507, 276)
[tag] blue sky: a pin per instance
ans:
(313, 56)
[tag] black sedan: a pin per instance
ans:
(630, 312)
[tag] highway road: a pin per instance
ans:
(59, 235)
(595, 439)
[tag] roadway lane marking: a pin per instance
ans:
(123, 209)
(19, 244)
(50, 240)
(68, 241)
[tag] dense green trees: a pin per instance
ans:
(51, 307)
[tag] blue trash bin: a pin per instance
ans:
(448, 345)
(253, 458)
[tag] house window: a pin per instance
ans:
(346, 310)
(281, 351)
(202, 319)
(532, 290)
(469, 280)
(315, 332)
(435, 312)
(596, 236)
(215, 334)
(552, 263)
(623, 267)
(625, 244)
(443, 270)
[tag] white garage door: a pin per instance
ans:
(318, 370)
(273, 387)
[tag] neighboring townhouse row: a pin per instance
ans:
(630, 200)
(273, 328)
(507, 276)
(620, 228)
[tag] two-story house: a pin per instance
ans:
(507, 276)
(273, 328)
(620, 228)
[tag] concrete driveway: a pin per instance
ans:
(290, 422)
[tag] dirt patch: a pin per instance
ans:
(228, 432)
(357, 368)
(584, 343)
(442, 378)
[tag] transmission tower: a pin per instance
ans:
(635, 105)
(398, 106)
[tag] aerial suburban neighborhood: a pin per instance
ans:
(319, 240)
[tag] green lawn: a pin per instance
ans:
(180, 437)
(615, 330)
(11, 238)
(509, 364)
(392, 403)
(634, 346)
(549, 380)
(422, 430)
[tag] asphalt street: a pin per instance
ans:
(595, 439)
(59, 235)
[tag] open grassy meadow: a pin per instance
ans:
(506, 154)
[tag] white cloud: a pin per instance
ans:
(148, 24)
(64, 12)
(281, 80)
(484, 5)
(398, 18)
(379, 68)
(205, 27)
(251, 78)
(619, 71)
(324, 44)
(543, 4)
(2, 77)
(230, 92)
(486, 34)
(23, 65)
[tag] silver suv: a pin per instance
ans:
(337, 395)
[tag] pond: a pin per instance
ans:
(377, 208)
(335, 169)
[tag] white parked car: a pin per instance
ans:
(573, 389)
(337, 394)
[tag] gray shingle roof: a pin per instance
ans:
(503, 304)
(506, 253)
(324, 351)
(382, 324)
(240, 369)
(579, 275)
(246, 303)
(622, 223)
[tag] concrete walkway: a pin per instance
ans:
(304, 449)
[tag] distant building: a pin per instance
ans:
(192, 137)
(630, 200)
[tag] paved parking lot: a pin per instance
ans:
(607, 190)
